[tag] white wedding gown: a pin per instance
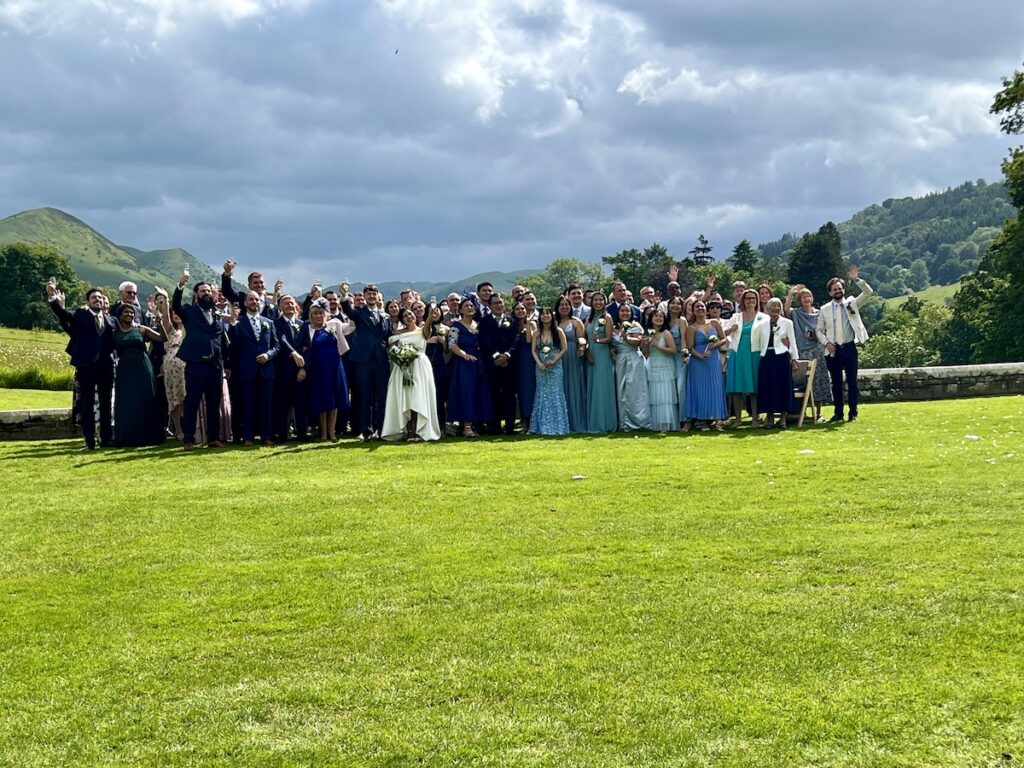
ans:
(419, 397)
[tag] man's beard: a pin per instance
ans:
(206, 302)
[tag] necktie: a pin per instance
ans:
(99, 323)
(838, 323)
(255, 326)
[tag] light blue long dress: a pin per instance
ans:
(681, 368)
(705, 390)
(631, 383)
(550, 414)
(602, 415)
(574, 382)
(661, 387)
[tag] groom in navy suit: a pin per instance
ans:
(91, 347)
(369, 354)
(204, 365)
(253, 348)
(498, 332)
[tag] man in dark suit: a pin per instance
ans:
(370, 364)
(498, 332)
(91, 346)
(254, 347)
(204, 363)
(619, 297)
(255, 281)
(289, 392)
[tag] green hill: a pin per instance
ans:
(96, 259)
(936, 294)
(906, 245)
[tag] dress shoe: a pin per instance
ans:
(269, 443)
(188, 447)
(247, 443)
(853, 417)
(837, 419)
(216, 444)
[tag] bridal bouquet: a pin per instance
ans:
(403, 355)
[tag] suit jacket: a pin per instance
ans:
(785, 339)
(582, 314)
(613, 310)
(369, 343)
(202, 343)
(268, 310)
(826, 330)
(246, 347)
(497, 339)
(87, 345)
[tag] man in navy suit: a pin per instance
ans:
(254, 347)
(369, 353)
(498, 332)
(619, 297)
(289, 392)
(255, 281)
(204, 364)
(91, 346)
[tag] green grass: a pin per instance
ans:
(843, 596)
(27, 399)
(34, 360)
(936, 294)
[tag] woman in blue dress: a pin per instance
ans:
(744, 356)
(661, 352)
(469, 398)
(602, 413)
(630, 373)
(321, 343)
(550, 413)
(525, 367)
(437, 349)
(677, 327)
(705, 390)
(573, 377)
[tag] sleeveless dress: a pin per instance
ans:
(602, 412)
(661, 388)
(741, 371)
(525, 376)
(420, 397)
(681, 369)
(136, 416)
(550, 413)
(631, 382)
(574, 382)
(705, 395)
(469, 396)
(439, 366)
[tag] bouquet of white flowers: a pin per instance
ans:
(403, 355)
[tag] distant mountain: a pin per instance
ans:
(96, 259)
(906, 245)
(502, 281)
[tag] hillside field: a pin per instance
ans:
(833, 596)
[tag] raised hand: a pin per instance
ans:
(279, 285)
(183, 280)
(159, 291)
(854, 274)
(673, 273)
(229, 266)
(711, 281)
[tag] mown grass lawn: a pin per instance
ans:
(844, 596)
(27, 399)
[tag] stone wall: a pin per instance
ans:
(940, 382)
(37, 425)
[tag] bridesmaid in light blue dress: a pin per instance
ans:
(661, 354)
(572, 365)
(705, 390)
(677, 327)
(550, 414)
(630, 373)
(602, 414)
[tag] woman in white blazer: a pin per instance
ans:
(745, 344)
(777, 341)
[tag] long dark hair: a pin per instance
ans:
(555, 339)
(558, 305)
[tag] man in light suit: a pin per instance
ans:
(579, 310)
(840, 329)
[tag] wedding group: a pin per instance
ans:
(261, 367)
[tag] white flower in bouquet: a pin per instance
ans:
(403, 355)
(712, 339)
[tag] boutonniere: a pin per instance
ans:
(851, 308)
(775, 327)
(265, 325)
(504, 323)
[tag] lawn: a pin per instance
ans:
(835, 596)
(936, 294)
(34, 360)
(26, 399)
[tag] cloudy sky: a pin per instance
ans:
(290, 136)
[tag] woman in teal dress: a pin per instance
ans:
(741, 370)
(602, 414)
(677, 327)
(136, 415)
(630, 373)
(550, 413)
(661, 352)
(573, 378)
(705, 393)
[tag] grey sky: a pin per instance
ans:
(288, 135)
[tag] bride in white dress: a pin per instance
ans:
(410, 410)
